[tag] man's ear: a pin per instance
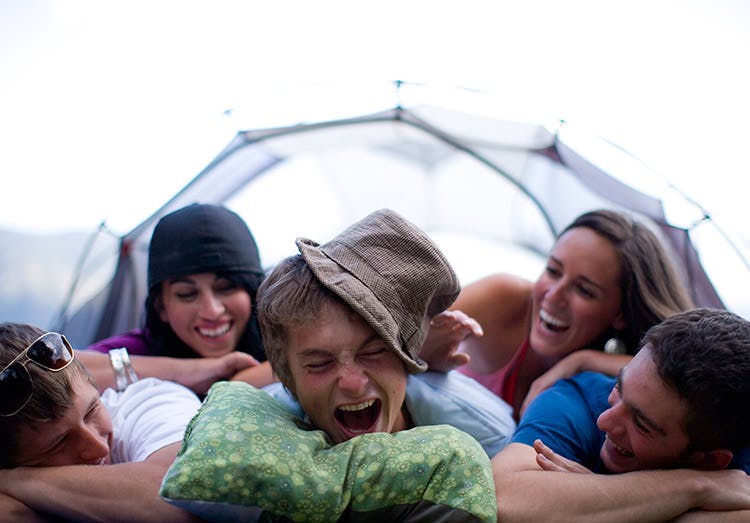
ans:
(711, 460)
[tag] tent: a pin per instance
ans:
(493, 191)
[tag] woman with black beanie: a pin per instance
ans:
(203, 275)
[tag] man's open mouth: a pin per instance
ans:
(358, 418)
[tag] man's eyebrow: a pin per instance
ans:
(314, 351)
(645, 420)
(309, 353)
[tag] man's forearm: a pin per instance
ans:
(527, 493)
(712, 516)
(565, 496)
(126, 492)
(12, 510)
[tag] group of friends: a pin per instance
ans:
(609, 395)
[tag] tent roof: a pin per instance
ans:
(494, 192)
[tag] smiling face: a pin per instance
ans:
(206, 312)
(82, 437)
(644, 424)
(347, 379)
(577, 297)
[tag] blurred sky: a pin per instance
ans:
(108, 108)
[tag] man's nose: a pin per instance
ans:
(353, 380)
(608, 421)
(93, 445)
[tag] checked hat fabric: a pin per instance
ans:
(392, 274)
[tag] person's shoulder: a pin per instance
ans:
(592, 388)
(428, 392)
(437, 398)
(135, 341)
(504, 297)
(589, 380)
(564, 417)
(584, 391)
(586, 384)
(502, 283)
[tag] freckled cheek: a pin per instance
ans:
(314, 389)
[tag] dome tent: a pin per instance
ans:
(492, 191)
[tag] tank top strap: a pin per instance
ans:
(508, 391)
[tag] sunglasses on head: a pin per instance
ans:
(50, 351)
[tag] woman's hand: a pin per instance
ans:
(447, 330)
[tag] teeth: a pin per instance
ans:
(619, 449)
(357, 406)
(547, 318)
(212, 333)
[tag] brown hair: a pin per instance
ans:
(52, 393)
(651, 286)
(704, 355)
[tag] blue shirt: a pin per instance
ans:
(564, 418)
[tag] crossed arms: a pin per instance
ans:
(126, 492)
(535, 484)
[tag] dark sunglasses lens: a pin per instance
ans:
(50, 351)
(15, 388)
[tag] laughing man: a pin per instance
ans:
(661, 442)
(343, 324)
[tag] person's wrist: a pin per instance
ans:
(122, 368)
(575, 362)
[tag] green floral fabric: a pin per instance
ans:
(244, 449)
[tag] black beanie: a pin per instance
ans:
(201, 238)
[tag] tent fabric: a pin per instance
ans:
(470, 177)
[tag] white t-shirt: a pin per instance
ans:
(147, 416)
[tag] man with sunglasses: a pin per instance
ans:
(664, 441)
(55, 429)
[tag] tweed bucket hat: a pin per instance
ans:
(392, 274)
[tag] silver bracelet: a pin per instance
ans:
(124, 372)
